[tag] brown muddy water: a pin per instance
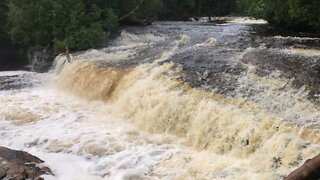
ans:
(174, 100)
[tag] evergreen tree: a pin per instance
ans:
(83, 24)
(3, 22)
(294, 14)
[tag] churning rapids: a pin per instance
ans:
(175, 100)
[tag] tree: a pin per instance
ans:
(77, 24)
(139, 11)
(58, 23)
(178, 9)
(3, 20)
(301, 15)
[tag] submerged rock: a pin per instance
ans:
(20, 165)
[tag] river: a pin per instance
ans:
(174, 100)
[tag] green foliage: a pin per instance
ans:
(139, 10)
(59, 45)
(109, 19)
(86, 37)
(150, 8)
(57, 23)
(293, 14)
(82, 24)
(217, 7)
(182, 9)
(304, 13)
(77, 24)
(178, 9)
(3, 21)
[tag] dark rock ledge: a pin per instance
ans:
(20, 165)
(310, 170)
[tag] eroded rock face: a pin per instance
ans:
(41, 61)
(20, 165)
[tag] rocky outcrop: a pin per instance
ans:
(303, 68)
(19, 165)
(41, 61)
(309, 170)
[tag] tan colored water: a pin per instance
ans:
(91, 119)
(256, 142)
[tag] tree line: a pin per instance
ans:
(83, 24)
(298, 15)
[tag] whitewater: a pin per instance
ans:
(176, 100)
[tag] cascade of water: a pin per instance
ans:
(133, 110)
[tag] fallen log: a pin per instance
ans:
(310, 170)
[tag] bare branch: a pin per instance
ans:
(131, 12)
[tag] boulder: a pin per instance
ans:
(309, 170)
(21, 165)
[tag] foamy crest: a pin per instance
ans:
(151, 97)
(79, 140)
(150, 38)
(143, 122)
(207, 43)
(13, 73)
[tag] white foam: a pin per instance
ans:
(78, 139)
(247, 20)
(13, 73)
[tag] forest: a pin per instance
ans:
(55, 25)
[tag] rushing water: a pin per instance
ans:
(175, 100)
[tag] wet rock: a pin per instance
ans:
(309, 170)
(17, 81)
(303, 68)
(222, 65)
(20, 165)
(41, 61)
